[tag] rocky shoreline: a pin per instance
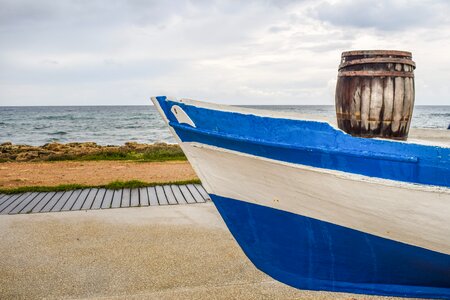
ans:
(89, 151)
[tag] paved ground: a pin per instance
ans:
(161, 252)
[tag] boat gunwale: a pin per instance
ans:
(292, 116)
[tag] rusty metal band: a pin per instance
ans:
(375, 74)
(377, 52)
(377, 60)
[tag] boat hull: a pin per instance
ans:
(323, 228)
(307, 253)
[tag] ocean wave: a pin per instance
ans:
(58, 133)
(63, 117)
(440, 115)
(40, 127)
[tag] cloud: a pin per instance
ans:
(240, 52)
(389, 15)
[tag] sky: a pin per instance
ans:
(90, 52)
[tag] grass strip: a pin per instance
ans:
(90, 151)
(115, 185)
(149, 156)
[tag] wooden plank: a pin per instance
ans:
(69, 203)
(98, 199)
(90, 198)
(134, 197)
(365, 104)
(197, 196)
(178, 194)
(126, 198)
(152, 197)
(117, 197)
(62, 201)
(187, 195)
(143, 197)
(29, 207)
(81, 198)
(107, 199)
(43, 202)
(8, 201)
(202, 191)
(14, 203)
(3, 197)
(24, 203)
(162, 200)
(48, 207)
(169, 195)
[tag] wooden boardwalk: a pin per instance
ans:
(101, 198)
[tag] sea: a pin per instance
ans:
(116, 125)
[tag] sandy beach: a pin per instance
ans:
(171, 252)
(18, 174)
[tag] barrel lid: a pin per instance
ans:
(377, 52)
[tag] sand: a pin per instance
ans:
(165, 252)
(16, 174)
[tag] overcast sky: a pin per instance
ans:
(91, 52)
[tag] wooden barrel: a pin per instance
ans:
(375, 93)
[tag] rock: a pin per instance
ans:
(27, 156)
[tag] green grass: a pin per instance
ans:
(115, 185)
(147, 156)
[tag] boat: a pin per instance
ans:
(317, 208)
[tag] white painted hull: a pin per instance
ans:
(407, 213)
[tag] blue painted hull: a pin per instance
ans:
(311, 254)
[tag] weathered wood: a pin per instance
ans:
(398, 103)
(14, 203)
(62, 201)
(202, 191)
(52, 202)
(195, 193)
(162, 200)
(152, 197)
(365, 105)
(8, 201)
(382, 82)
(81, 198)
(70, 202)
(107, 199)
(376, 104)
(125, 198)
(169, 195)
(178, 194)
(101, 198)
(43, 202)
(143, 197)
(134, 197)
(187, 194)
(29, 207)
(117, 199)
(97, 203)
(388, 108)
(89, 199)
(3, 198)
(24, 203)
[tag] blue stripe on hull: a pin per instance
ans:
(310, 254)
(314, 144)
